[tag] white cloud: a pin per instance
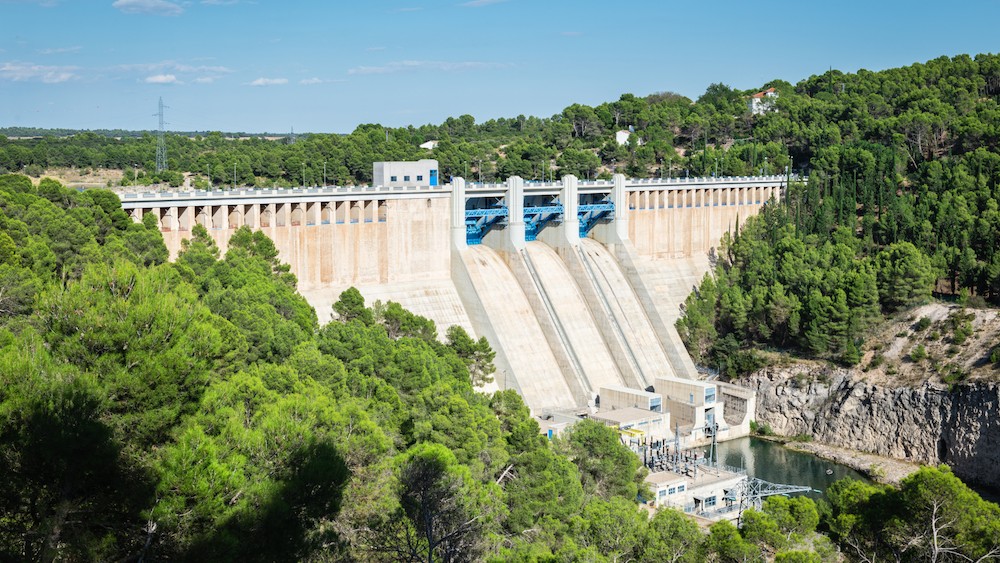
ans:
(204, 79)
(161, 79)
(150, 7)
(28, 72)
(311, 81)
(480, 3)
(444, 66)
(43, 3)
(59, 50)
(173, 66)
(269, 81)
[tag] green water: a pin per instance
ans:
(777, 464)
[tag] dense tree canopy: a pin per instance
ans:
(196, 410)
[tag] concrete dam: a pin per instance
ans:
(575, 284)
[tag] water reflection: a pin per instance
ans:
(777, 464)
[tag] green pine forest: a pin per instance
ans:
(196, 410)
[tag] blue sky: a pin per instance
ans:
(326, 66)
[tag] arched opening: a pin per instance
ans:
(298, 215)
(265, 218)
(280, 215)
(235, 218)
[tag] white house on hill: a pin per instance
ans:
(762, 102)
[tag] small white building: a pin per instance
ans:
(621, 137)
(701, 490)
(554, 424)
(423, 172)
(430, 145)
(763, 101)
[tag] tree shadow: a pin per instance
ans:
(289, 525)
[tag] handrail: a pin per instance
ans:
(609, 314)
(560, 330)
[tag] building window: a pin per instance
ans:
(663, 493)
(680, 488)
(406, 178)
(709, 396)
(671, 490)
(392, 178)
(420, 178)
(709, 502)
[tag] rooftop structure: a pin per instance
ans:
(636, 423)
(692, 404)
(618, 397)
(423, 172)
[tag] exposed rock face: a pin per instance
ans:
(927, 424)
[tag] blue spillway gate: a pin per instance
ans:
(536, 217)
(478, 222)
(591, 213)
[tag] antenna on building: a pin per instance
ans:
(161, 143)
(291, 137)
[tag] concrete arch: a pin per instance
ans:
(383, 211)
(327, 213)
(203, 218)
(356, 212)
(219, 217)
(298, 215)
(249, 216)
(235, 217)
(281, 215)
(265, 217)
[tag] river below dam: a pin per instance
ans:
(775, 463)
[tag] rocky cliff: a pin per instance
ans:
(930, 424)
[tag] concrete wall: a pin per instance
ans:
(566, 316)
(678, 222)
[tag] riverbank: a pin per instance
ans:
(881, 469)
(878, 468)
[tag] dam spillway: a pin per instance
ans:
(576, 285)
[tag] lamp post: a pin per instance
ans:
(303, 174)
(324, 173)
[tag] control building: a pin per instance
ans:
(423, 172)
